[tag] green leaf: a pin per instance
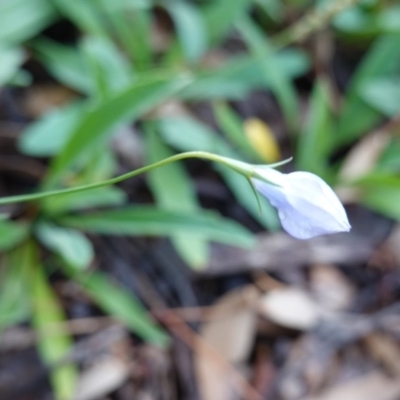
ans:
(236, 77)
(83, 13)
(355, 20)
(190, 28)
(316, 138)
(220, 16)
(121, 108)
(66, 63)
(275, 9)
(117, 301)
(281, 86)
(385, 201)
(189, 135)
(47, 312)
(106, 196)
(389, 18)
(46, 136)
(172, 189)
(71, 245)
(11, 234)
(380, 191)
(357, 117)
(14, 277)
(110, 72)
(231, 125)
(389, 160)
(132, 24)
(150, 221)
(100, 165)
(378, 181)
(22, 19)
(11, 59)
(383, 95)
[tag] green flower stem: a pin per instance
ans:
(243, 168)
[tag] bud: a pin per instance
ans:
(306, 205)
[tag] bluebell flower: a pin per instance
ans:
(306, 205)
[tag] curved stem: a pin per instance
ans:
(242, 168)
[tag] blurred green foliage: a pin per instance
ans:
(126, 61)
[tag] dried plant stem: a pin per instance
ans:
(311, 22)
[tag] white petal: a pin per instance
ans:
(307, 206)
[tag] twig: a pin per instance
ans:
(311, 22)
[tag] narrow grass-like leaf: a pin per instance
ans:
(71, 245)
(11, 59)
(65, 63)
(280, 84)
(231, 125)
(316, 138)
(11, 234)
(151, 221)
(100, 165)
(119, 302)
(220, 15)
(383, 95)
(236, 77)
(190, 28)
(83, 13)
(173, 191)
(133, 26)
(110, 72)
(22, 19)
(389, 160)
(380, 191)
(187, 135)
(106, 196)
(46, 136)
(274, 9)
(357, 117)
(386, 201)
(100, 121)
(47, 312)
(14, 278)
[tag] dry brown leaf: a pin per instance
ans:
(232, 323)
(386, 350)
(363, 156)
(360, 161)
(42, 98)
(331, 288)
(102, 378)
(373, 386)
(230, 330)
(290, 307)
(392, 245)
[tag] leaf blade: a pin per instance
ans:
(151, 221)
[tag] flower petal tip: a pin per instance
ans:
(306, 205)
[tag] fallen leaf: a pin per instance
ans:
(385, 349)
(230, 330)
(101, 379)
(372, 386)
(361, 160)
(231, 324)
(290, 307)
(331, 288)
